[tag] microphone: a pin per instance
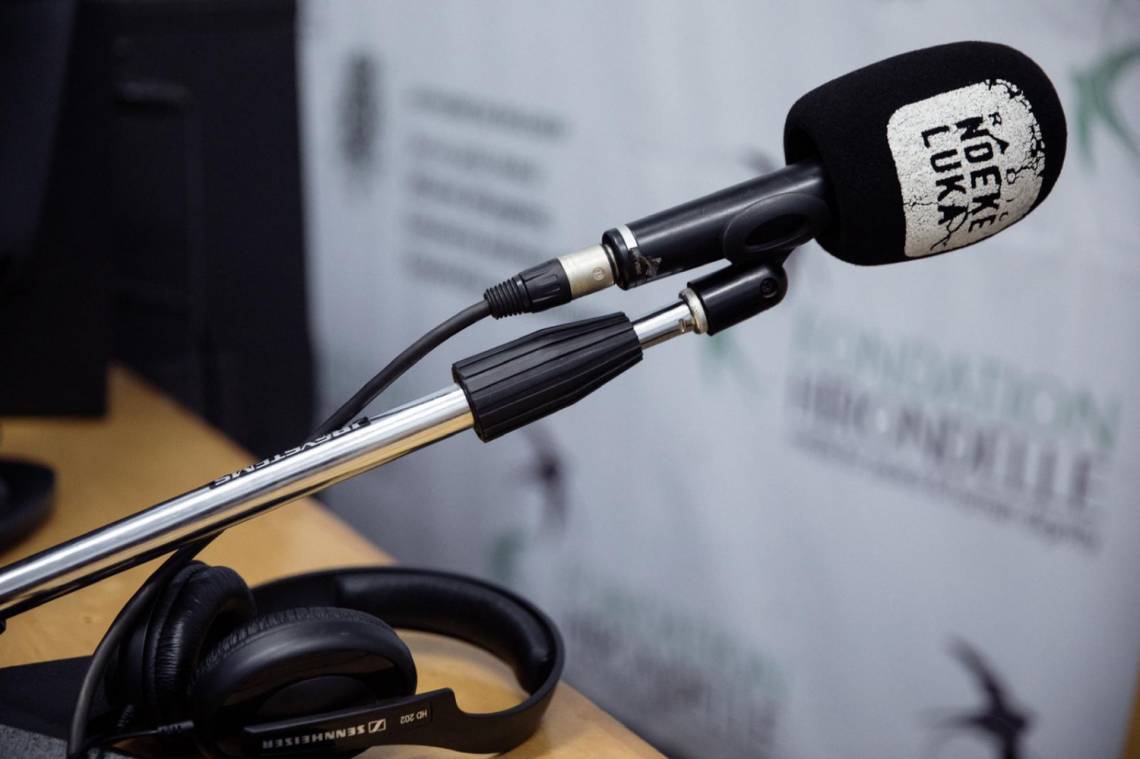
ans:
(913, 156)
(930, 151)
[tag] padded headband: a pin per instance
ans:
(477, 612)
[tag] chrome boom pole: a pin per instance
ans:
(240, 495)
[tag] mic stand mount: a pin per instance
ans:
(495, 392)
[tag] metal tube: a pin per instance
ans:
(232, 498)
(665, 324)
(239, 495)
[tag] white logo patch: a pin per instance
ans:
(969, 161)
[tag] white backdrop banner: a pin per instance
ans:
(896, 516)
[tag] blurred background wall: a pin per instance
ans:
(899, 508)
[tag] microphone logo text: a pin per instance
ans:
(970, 162)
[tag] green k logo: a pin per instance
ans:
(1098, 91)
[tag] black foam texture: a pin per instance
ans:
(843, 124)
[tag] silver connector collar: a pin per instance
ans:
(629, 239)
(588, 270)
(671, 321)
(700, 321)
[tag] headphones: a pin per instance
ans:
(310, 664)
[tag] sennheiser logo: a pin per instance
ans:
(319, 737)
(970, 162)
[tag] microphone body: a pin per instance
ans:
(913, 156)
(770, 213)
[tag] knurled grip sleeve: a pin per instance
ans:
(526, 379)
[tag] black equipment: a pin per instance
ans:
(151, 209)
(25, 498)
(207, 255)
(311, 664)
(46, 271)
(140, 219)
(912, 156)
(54, 210)
(34, 41)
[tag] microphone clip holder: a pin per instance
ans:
(737, 292)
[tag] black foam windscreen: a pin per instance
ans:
(931, 150)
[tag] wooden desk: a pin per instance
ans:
(150, 449)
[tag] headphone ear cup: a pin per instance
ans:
(293, 663)
(201, 605)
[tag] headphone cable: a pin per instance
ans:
(128, 616)
(172, 729)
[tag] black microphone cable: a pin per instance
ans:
(538, 288)
(408, 358)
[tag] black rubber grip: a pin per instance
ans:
(529, 378)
